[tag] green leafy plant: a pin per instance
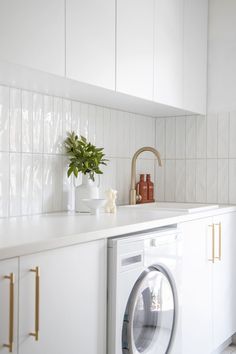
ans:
(84, 157)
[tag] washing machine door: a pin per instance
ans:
(150, 314)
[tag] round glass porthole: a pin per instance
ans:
(150, 314)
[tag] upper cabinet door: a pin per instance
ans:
(90, 41)
(32, 33)
(195, 55)
(135, 35)
(168, 52)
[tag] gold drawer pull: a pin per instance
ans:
(213, 243)
(11, 313)
(220, 241)
(35, 334)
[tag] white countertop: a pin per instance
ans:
(29, 234)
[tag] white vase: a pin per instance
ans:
(86, 190)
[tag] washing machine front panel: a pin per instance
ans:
(150, 314)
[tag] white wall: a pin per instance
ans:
(200, 152)
(32, 161)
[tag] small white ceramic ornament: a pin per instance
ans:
(110, 206)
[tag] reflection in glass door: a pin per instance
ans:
(150, 314)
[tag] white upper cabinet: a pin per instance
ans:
(135, 35)
(32, 34)
(168, 52)
(195, 55)
(90, 41)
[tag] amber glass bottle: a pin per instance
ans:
(141, 189)
(150, 188)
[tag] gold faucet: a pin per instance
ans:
(133, 195)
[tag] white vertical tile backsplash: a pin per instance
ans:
(27, 121)
(212, 181)
(232, 138)
(170, 138)
(206, 148)
(198, 153)
(4, 118)
(38, 123)
(212, 135)
(15, 120)
(4, 183)
(15, 184)
(191, 132)
(190, 180)
(201, 180)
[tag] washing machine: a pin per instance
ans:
(144, 293)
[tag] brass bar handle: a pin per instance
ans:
(35, 334)
(213, 243)
(11, 312)
(220, 241)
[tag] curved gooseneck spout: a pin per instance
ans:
(133, 194)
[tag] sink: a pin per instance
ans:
(177, 207)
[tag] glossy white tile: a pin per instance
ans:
(223, 135)
(180, 191)
(232, 179)
(92, 111)
(190, 181)
(27, 185)
(52, 183)
(191, 137)
(212, 181)
(109, 177)
(15, 184)
(201, 136)
(212, 135)
(170, 180)
(123, 175)
(38, 123)
(160, 136)
(68, 191)
(159, 181)
(75, 123)
(180, 137)
(15, 120)
(223, 181)
(4, 183)
(49, 136)
(27, 121)
(99, 127)
(4, 118)
(232, 139)
(170, 138)
(84, 120)
(37, 184)
(201, 180)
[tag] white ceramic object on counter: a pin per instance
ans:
(94, 205)
(88, 189)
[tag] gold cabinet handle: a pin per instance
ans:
(11, 313)
(35, 334)
(220, 241)
(213, 243)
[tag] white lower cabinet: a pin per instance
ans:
(196, 289)
(8, 305)
(224, 279)
(62, 301)
(209, 283)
